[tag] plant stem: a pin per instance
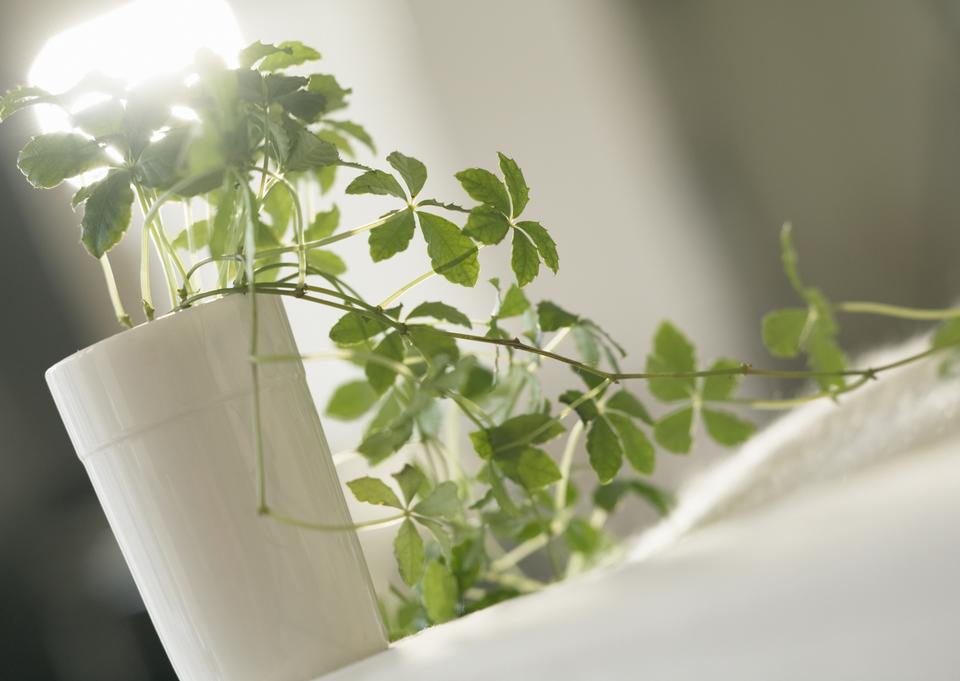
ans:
(916, 314)
(118, 310)
(317, 243)
(323, 527)
(566, 463)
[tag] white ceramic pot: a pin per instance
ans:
(161, 416)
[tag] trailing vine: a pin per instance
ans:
(251, 146)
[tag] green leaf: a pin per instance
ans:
(788, 255)
(308, 106)
(386, 440)
(636, 447)
(721, 387)
(605, 450)
(947, 334)
(380, 375)
(323, 225)
(393, 236)
(524, 259)
(48, 160)
(553, 317)
(782, 331)
(825, 355)
(326, 261)
(199, 234)
(102, 119)
(433, 344)
(485, 187)
(674, 432)
(442, 502)
(625, 401)
(514, 303)
(223, 221)
(353, 328)
(106, 213)
(486, 225)
(581, 536)
(278, 204)
(160, 163)
(376, 182)
(254, 52)
(442, 311)
(726, 428)
(439, 533)
(439, 593)
(586, 410)
(331, 90)
(356, 131)
(374, 491)
(408, 550)
(351, 401)
(672, 353)
(536, 469)
(22, 96)
(452, 254)
(286, 54)
(413, 172)
(309, 152)
(512, 436)
(516, 184)
(410, 479)
(609, 496)
(544, 243)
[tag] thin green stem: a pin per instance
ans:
(118, 310)
(566, 464)
(318, 243)
(429, 274)
(324, 527)
(916, 314)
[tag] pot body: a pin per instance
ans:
(162, 418)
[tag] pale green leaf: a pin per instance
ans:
(106, 213)
(408, 550)
(674, 432)
(514, 303)
(324, 224)
(636, 446)
(356, 131)
(48, 160)
(439, 593)
(351, 401)
(288, 53)
(309, 152)
(536, 469)
(672, 353)
(726, 428)
(381, 375)
(452, 254)
(410, 479)
(441, 311)
(605, 450)
(353, 328)
(625, 401)
(782, 331)
(374, 491)
(326, 261)
(376, 182)
(442, 502)
(721, 387)
(433, 344)
(199, 235)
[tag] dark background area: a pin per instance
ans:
(842, 117)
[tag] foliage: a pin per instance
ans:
(469, 533)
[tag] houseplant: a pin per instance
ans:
(252, 135)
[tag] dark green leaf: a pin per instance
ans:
(161, 162)
(587, 345)
(374, 491)
(452, 254)
(672, 352)
(286, 54)
(721, 387)
(413, 172)
(605, 450)
(586, 409)
(553, 317)
(608, 496)
(353, 328)
(636, 447)
(544, 243)
(442, 311)
(48, 160)
(485, 187)
(486, 225)
(307, 106)
(106, 213)
(380, 374)
(674, 432)
(625, 401)
(514, 303)
(376, 182)
(726, 428)
(783, 331)
(410, 479)
(393, 236)
(309, 152)
(439, 593)
(536, 469)
(516, 184)
(408, 550)
(442, 502)
(524, 259)
(351, 401)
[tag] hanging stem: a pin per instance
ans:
(118, 310)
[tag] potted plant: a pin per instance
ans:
(200, 436)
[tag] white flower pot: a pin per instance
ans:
(161, 416)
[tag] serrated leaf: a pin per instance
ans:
(637, 448)
(356, 131)
(380, 375)
(413, 172)
(536, 469)
(672, 353)
(486, 225)
(393, 236)
(441, 311)
(546, 246)
(351, 401)
(353, 328)
(326, 261)
(726, 428)
(309, 152)
(410, 479)
(307, 106)
(609, 496)
(605, 450)
(254, 52)
(524, 258)
(386, 440)
(408, 551)
(439, 593)
(485, 187)
(452, 254)
(514, 303)
(22, 96)
(516, 184)
(48, 160)
(439, 533)
(587, 344)
(782, 331)
(374, 491)
(586, 409)
(333, 92)
(376, 182)
(513, 435)
(721, 387)
(625, 401)
(442, 502)
(433, 344)
(286, 54)
(553, 317)
(324, 224)
(106, 213)
(674, 432)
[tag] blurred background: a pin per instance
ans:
(665, 143)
